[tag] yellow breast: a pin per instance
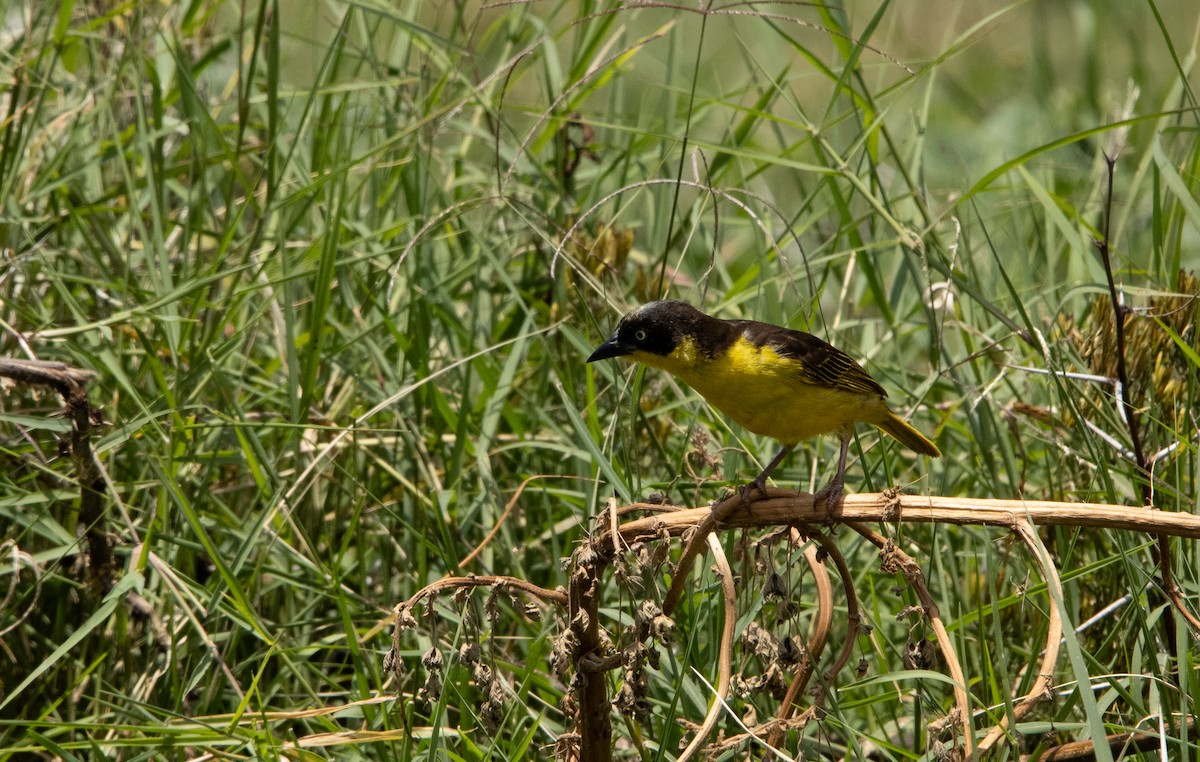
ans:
(763, 391)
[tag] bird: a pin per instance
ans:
(777, 382)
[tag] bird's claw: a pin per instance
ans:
(829, 497)
(747, 491)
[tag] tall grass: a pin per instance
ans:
(338, 271)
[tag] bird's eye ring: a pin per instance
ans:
(640, 335)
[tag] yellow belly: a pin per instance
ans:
(808, 412)
(763, 392)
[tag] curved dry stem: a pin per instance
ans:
(853, 618)
(816, 645)
(1040, 690)
(716, 516)
(508, 509)
(432, 590)
(900, 560)
(725, 660)
(1177, 600)
(1122, 744)
(777, 727)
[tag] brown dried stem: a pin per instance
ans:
(557, 597)
(1019, 516)
(853, 618)
(1129, 413)
(592, 739)
(708, 523)
(1040, 690)
(592, 720)
(814, 649)
(897, 559)
(776, 728)
(1121, 745)
(789, 507)
(725, 659)
(70, 383)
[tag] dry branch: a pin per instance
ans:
(812, 652)
(589, 650)
(1018, 516)
(70, 383)
(1129, 412)
(895, 559)
(725, 662)
(789, 507)
(1120, 745)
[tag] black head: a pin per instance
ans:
(655, 328)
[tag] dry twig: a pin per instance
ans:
(588, 648)
(1040, 689)
(812, 652)
(895, 559)
(725, 660)
(70, 383)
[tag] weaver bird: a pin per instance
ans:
(777, 382)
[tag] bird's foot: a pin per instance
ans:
(748, 491)
(830, 497)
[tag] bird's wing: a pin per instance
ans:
(819, 363)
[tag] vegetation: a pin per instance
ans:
(337, 268)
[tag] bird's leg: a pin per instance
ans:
(760, 482)
(832, 492)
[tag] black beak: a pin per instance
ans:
(610, 348)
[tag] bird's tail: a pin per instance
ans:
(908, 436)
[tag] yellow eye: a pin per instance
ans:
(640, 335)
